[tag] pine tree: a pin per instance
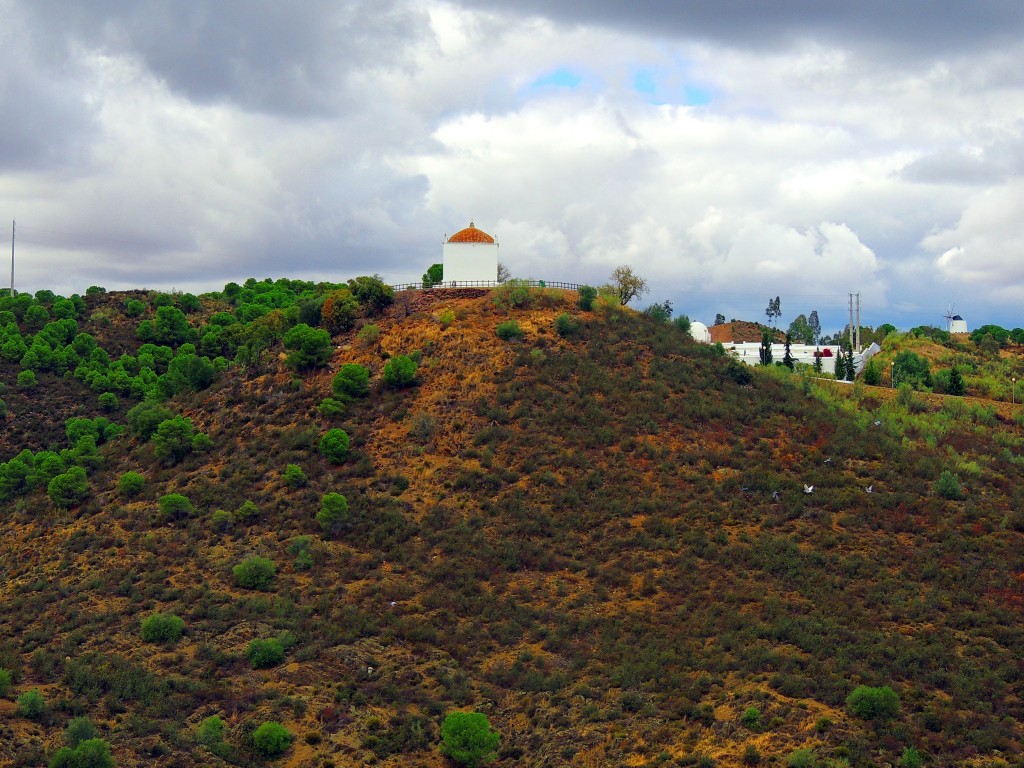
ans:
(787, 358)
(840, 365)
(956, 382)
(766, 347)
(851, 367)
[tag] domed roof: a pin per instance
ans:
(471, 235)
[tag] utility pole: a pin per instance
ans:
(851, 321)
(858, 322)
(12, 257)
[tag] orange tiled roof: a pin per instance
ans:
(471, 235)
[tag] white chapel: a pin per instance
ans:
(470, 256)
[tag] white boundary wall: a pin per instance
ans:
(750, 353)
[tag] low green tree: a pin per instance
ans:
(255, 572)
(308, 348)
(294, 477)
(174, 507)
(247, 512)
(5, 683)
(948, 486)
(588, 295)
(873, 703)
(334, 513)
(565, 326)
(130, 484)
(271, 739)
(911, 758)
(351, 381)
(873, 373)
(765, 352)
(508, 330)
(433, 275)
(145, 417)
(79, 729)
(334, 446)
(211, 731)
(400, 371)
(372, 293)
(162, 628)
(172, 440)
(90, 753)
(264, 653)
(956, 382)
(69, 488)
(467, 738)
(31, 704)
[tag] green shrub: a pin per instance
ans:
(752, 718)
(31, 704)
(587, 296)
(948, 486)
(330, 408)
(334, 513)
(351, 381)
(145, 417)
(221, 520)
(565, 325)
(91, 753)
(294, 477)
(162, 628)
(400, 371)
(79, 729)
(172, 440)
(872, 373)
(255, 572)
(334, 446)
(751, 756)
(307, 347)
(369, 334)
(372, 293)
(264, 653)
(870, 703)
(174, 507)
(68, 489)
(247, 513)
(513, 294)
(509, 330)
(467, 738)
(211, 731)
(5, 683)
(108, 402)
(446, 318)
(801, 758)
(911, 758)
(271, 739)
(27, 379)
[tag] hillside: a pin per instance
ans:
(601, 540)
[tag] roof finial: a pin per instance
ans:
(471, 224)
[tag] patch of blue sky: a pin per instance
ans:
(558, 78)
(665, 88)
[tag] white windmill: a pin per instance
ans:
(954, 323)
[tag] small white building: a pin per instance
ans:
(470, 256)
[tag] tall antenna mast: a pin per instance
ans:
(12, 257)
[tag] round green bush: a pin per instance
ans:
(174, 506)
(31, 704)
(248, 512)
(79, 729)
(221, 520)
(467, 738)
(330, 408)
(509, 330)
(255, 572)
(264, 653)
(400, 371)
(333, 513)
(294, 477)
(162, 628)
(130, 484)
(27, 379)
(108, 401)
(334, 446)
(211, 731)
(870, 703)
(351, 381)
(271, 739)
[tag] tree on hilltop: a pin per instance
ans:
(627, 285)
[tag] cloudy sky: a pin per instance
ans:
(729, 151)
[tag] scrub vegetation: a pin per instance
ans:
(592, 546)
